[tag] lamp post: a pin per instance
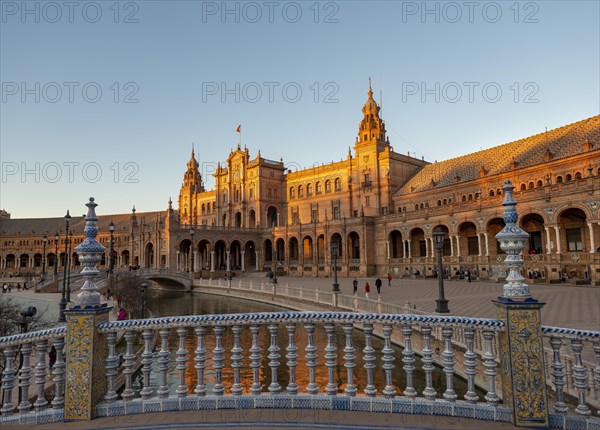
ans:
(442, 302)
(192, 232)
(111, 259)
(27, 312)
(70, 249)
(63, 299)
(334, 254)
(56, 254)
(143, 288)
(275, 266)
(44, 241)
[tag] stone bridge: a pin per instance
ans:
(169, 279)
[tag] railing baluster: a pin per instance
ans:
(41, 374)
(8, 379)
(292, 355)
(274, 359)
(489, 364)
(112, 363)
(429, 392)
(470, 365)
(58, 373)
(236, 357)
(388, 361)
(558, 373)
(349, 356)
(218, 387)
(146, 391)
(330, 356)
(128, 365)
(181, 360)
(580, 377)
(255, 363)
(597, 370)
(163, 363)
(448, 362)
(311, 359)
(409, 361)
(369, 359)
(200, 360)
(25, 378)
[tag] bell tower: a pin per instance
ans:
(372, 128)
(192, 185)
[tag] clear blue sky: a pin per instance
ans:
(167, 55)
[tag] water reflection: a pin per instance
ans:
(173, 303)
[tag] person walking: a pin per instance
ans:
(367, 290)
(469, 275)
(389, 280)
(378, 285)
(122, 314)
(119, 299)
(355, 285)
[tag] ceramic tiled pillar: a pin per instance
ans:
(521, 348)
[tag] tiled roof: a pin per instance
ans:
(48, 226)
(561, 142)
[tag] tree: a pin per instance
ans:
(10, 322)
(128, 286)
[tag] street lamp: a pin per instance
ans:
(63, 299)
(143, 288)
(442, 302)
(56, 254)
(27, 312)
(70, 248)
(275, 266)
(334, 254)
(44, 241)
(192, 251)
(111, 261)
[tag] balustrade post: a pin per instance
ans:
(128, 365)
(448, 362)
(311, 359)
(388, 361)
(429, 392)
(409, 361)
(470, 365)
(181, 360)
(369, 359)
(349, 356)
(255, 363)
(580, 377)
(112, 363)
(146, 391)
(274, 359)
(291, 355)
(8, 379)
(597, 370)
(200, 360)
(41, 374)
(25, 378)
(521, 344)
(218, 388)
(58, 373)
(330, 356)
(236, 357)
(163, 363)
(558, 373)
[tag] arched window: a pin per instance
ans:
(578, 175)
(292, 193)
(338, 184)
(445, 202)
(416, 206)
(530, 185)
(203, 208)
(309, 190)
(422, 206)
(523, 187)
(568, 178)
(439, 203)
(540, 183)
(300, 191)
(559, 179)
(319, 188)
(327, 186)
(470, 197)
(464, 198)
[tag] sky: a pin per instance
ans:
(106, 98)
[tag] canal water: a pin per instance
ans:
(163, 303)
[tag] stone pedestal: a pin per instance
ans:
(522, 361)
(85, 383)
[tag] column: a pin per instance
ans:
(409, 250)
(227, 254)
(458, 246)
(487, 244)
(479, 243)
(548, 247)
(212, 261)
(256, 257)
(243, 262)
(387, 247)
(426, 247)
(403, 248)
(177, 254)
(557, 229)
(451, 245)
(195, 260)
(592, 243)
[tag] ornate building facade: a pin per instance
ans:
(377, 206)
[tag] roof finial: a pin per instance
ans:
(370, 90)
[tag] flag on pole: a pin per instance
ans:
(239, 128)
